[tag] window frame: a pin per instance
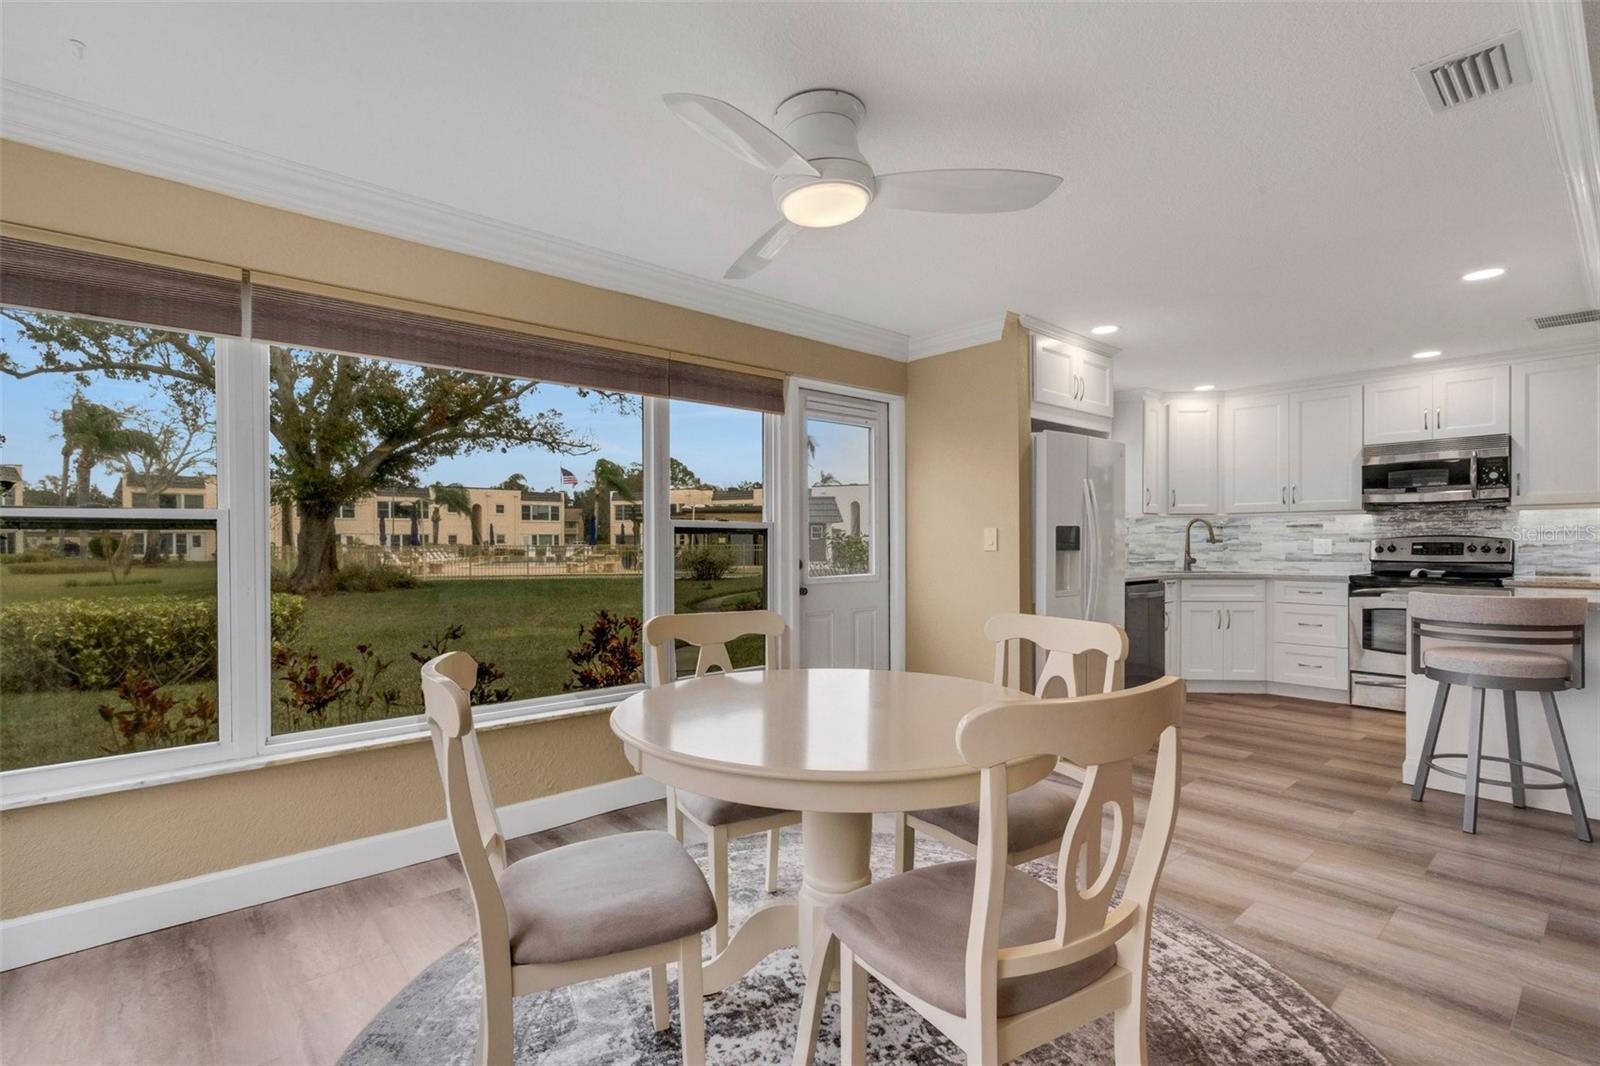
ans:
(244, 673)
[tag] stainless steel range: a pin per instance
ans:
(1378, 603)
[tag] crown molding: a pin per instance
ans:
(1559, 50)
(1040, 327)
(967, 335)
(59, 123)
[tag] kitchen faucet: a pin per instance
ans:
(1188, 553)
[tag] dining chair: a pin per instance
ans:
(631, 901)
(719, 820)
(1038, 814)
(1036, 961)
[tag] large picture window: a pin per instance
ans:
(108, 615)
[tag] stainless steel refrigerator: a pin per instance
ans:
(1080, 555)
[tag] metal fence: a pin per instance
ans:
(480, 561)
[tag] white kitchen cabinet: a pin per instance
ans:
(1472, 401)
(1399, 409)
(1255, 454)
(1311, 666)
(1071, 378)
(1192, 482)
(1555, 431)
(1174, 630)
(1224, 640)
(1140, 423)
(1202, 642)
(1325, 449)
(1464, 402)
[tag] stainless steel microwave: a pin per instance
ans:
(1459, 470)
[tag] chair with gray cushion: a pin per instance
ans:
(996, 960)
(1513, 644)
(718, 820)
(633, 901)
(1037, 814)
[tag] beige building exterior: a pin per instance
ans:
(687, 505)
(187, 493)
(400, 517)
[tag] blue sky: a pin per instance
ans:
(722, 445)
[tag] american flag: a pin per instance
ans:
(569, 478)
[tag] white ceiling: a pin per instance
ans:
(1254, 192)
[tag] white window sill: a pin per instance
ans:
(293, 755)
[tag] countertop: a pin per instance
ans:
(1582, 584)
(1243, 575)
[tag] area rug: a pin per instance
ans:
(1211, 1001)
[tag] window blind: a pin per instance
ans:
(47, 277)
(315, 320)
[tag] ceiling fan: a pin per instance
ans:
(820, 178)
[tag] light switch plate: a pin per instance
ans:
(1321, 545)
(991, 539)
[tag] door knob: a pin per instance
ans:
(804, 591)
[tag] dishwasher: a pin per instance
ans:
(1145, 618)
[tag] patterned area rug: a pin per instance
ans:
(1210, 1002)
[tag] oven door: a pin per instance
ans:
(1378, 631)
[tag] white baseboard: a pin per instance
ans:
(1270, 688)
(34, 937)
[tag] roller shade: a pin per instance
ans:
(330, 323)
(47, 277)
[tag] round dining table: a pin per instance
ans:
(836, 745)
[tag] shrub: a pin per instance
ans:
(359, 577)
(706, 562)
(153, 718)
(608, 654)
(848, 552)
(99, 643)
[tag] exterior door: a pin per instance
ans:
(844, 586)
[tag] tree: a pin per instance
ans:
(683, 478)
(515, 482)
(826, 478)
(176, 448)
(627, 483)
(457, 498)
(95, 434)
(344, 425)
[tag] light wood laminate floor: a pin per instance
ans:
(1295, 839)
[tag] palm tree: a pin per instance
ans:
(455, 497)
(612, 477)
(95, 433)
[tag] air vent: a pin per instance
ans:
(1571, 318)
(1489, 68)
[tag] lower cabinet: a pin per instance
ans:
(1224, 640)
(1309, 665)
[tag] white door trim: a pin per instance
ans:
(791, 503)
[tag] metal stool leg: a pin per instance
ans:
(1519, 795)
(1430, 741)
(1569, 775)
(1469, 808)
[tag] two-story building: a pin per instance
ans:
(400, 516)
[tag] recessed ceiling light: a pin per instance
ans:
(1204, 388)
(1425, 355)
(1484, 275)
(1101, 331)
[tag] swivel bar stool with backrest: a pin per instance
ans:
(1489, 642)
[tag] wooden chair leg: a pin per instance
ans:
(660, 1013)
(824, 955)
(1430, 740)
(852, 1010)
(674, 816)
(1569, 774)
(1519, 795)
(1127, 1031)
(1469, 806)
(691, 1006)
(717, 848)
(772, 860)
(905, 844)
(494, 1018)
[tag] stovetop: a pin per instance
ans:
(1427, 560)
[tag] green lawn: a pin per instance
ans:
(524, 626)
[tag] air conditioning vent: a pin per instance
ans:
(1570, 318)
(1489, 68)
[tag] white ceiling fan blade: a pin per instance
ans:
(740, 134)
(764, 251)
(964, 191)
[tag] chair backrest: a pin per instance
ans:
(469, 806)
(710, 633)
(1104, 733)
(1063, 641)
(1463, 618)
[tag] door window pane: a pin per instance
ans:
(720, 570)
(108, 638)
(418, 510)
(102, 414)
(839, 498)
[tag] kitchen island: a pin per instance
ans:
(1580, 717)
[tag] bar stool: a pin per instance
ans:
(1488, 641)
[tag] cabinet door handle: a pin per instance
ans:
(1424, 419)
(1219, 619)
(1174, 498)
(1438, 418)
(1147, 496)
(1310, 625)
(1283, 495)
(1519, 483)
(1309, 666)
(1294, 494)
(1230, 621)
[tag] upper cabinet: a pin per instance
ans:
(1192, 482)
(1555, 431)
(1466, 402)
(1297, 451)
(1071, 379)
(1140, 423)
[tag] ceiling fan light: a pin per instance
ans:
(821, 204)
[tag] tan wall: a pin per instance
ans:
(84, 849)
(65, 853)
(57, 192)
(966, 469)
